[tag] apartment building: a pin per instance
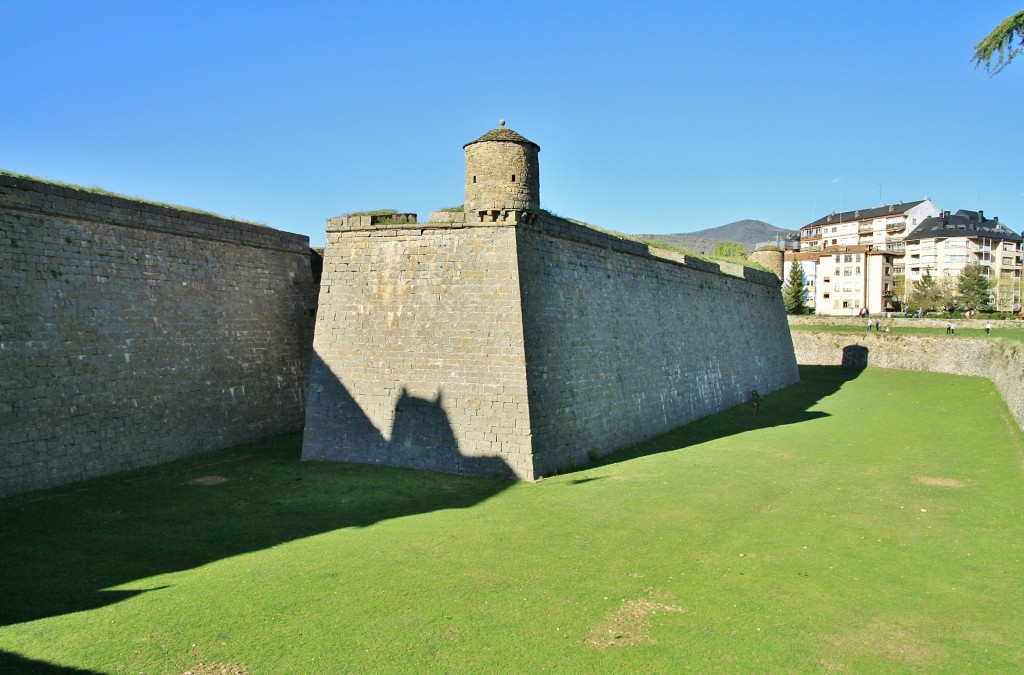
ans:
(882, 227)
(852, 256)
(942, 245)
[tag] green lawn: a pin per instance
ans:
(1016, 333)
(864, 521)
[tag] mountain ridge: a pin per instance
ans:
(748, 233)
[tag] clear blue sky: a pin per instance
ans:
(652, 117)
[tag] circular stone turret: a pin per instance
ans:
(502, 173)
(772, 257)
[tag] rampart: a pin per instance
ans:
(133, 333)
(526, 344)
(1001, 361)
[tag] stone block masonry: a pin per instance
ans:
(524, 345)
(622, 345)
(418, 357)
(133, 333)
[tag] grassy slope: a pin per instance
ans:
(801, 539)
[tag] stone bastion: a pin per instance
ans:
(505, 340)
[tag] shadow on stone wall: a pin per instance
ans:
(422, 436)
(855, 356)
(790, 405)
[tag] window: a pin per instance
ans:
(826, 296)
(857, 272)
(956, 258)
(825, 280)
(513, 178)
(846, 272)
(847, 258)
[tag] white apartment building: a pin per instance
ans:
(852, 256)
(881, 227)
(944, 244)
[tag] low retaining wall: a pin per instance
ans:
(900, 321)
(1001, 361)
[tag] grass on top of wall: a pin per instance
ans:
(107, 193)
(864, 521)
(654, 243)
(1016, 333)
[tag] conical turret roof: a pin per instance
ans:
(502, 134)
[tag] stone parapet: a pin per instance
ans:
(34, 196)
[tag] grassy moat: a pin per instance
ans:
(864, 521)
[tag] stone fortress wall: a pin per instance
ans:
(505, 340)
(418, 350)
(624, 343)
(133, 333)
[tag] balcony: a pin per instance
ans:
(810, 237)
(865, 227)
(895, 227)
(897, 246)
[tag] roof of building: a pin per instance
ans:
(802, 255)
(828, 251)
(866, 214)
(867, 249)
(963, 223)
(504, 135)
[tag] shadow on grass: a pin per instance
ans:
(786, 406)
(12, 663)
(63, 549)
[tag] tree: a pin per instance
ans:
(793, 290)
(729, 249)
(949, 299)
(998, 45)
(926, 293)
(973, 289)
